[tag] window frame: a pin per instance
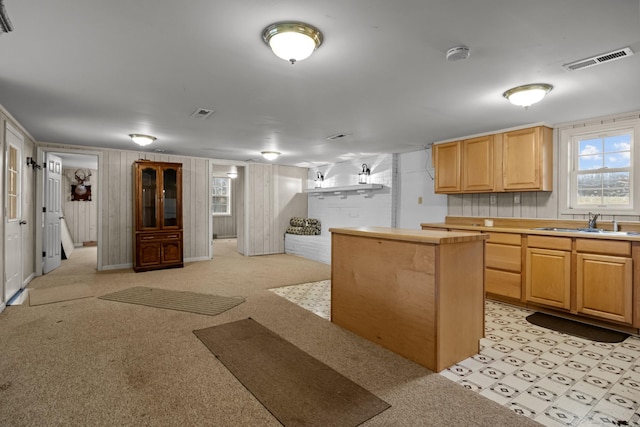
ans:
(228, 212)
(569, 138)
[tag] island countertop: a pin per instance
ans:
(434, 237)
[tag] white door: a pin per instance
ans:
(53, 213)
(13, 221)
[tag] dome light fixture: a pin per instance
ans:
(292, 41)
(270, 155)
(141, 139)
(527, 95)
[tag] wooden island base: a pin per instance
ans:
(417, 293)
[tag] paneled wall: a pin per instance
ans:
(81, 216)
(116, 203)
(274, 195)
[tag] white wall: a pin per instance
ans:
(415, 180)
(351, 209)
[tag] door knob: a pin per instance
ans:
(61, 217)
(22, 222)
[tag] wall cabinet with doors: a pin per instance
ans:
(464, 166)
(548, 271)
(527, 159)
(157, 218)
(446, 159)
(520, 160)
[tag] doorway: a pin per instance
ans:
(79, 199)
(227, 209)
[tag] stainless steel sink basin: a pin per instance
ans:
(590, 230)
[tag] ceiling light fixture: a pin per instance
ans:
(270, 155)
(141, 139)
(292, 41)
(527, 95)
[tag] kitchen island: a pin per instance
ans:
(418, 293)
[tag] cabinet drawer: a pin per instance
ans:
(505, 238)
(607, 247)
(503, 257)
(548, 242)
(503, 283)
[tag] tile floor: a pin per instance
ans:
(553, 378)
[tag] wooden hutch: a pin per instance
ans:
(157, 222)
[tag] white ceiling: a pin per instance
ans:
(90, 72)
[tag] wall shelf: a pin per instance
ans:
(360, 188)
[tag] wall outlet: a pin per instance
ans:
(420, 200)
(516, 199)
(493, 199)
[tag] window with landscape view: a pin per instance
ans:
(601, 164)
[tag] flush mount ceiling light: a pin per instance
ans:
(270, 155)
(527, 95)
(292, 41)
(141, 139)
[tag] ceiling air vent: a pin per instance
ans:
(599, 59)
(202, 113)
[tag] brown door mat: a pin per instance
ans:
(295, 387)
(578, 329)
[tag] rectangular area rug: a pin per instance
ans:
(191, 302)
(40, 296)
(296, 388)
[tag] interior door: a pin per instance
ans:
(53, 213)
(13, 220)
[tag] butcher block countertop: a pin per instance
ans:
(434, 237)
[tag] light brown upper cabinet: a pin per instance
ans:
(477, 164)
(527, 159)
(446, 159)
(520, 160)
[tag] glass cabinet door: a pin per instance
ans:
(170, 193)
(149, 197)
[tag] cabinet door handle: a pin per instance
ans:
(22, 222)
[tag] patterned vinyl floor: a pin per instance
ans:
(553, 378)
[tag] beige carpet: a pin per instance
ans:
(192, 302)
(58, 294)
(98, 363)
(296, 388)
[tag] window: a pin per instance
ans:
(221, 196)
(600, 172)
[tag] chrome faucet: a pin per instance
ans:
(592, 219)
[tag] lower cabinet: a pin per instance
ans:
(548, 274)
(503, 265)
(158, 250)
(604, 283)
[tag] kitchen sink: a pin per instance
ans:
(590, 230)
